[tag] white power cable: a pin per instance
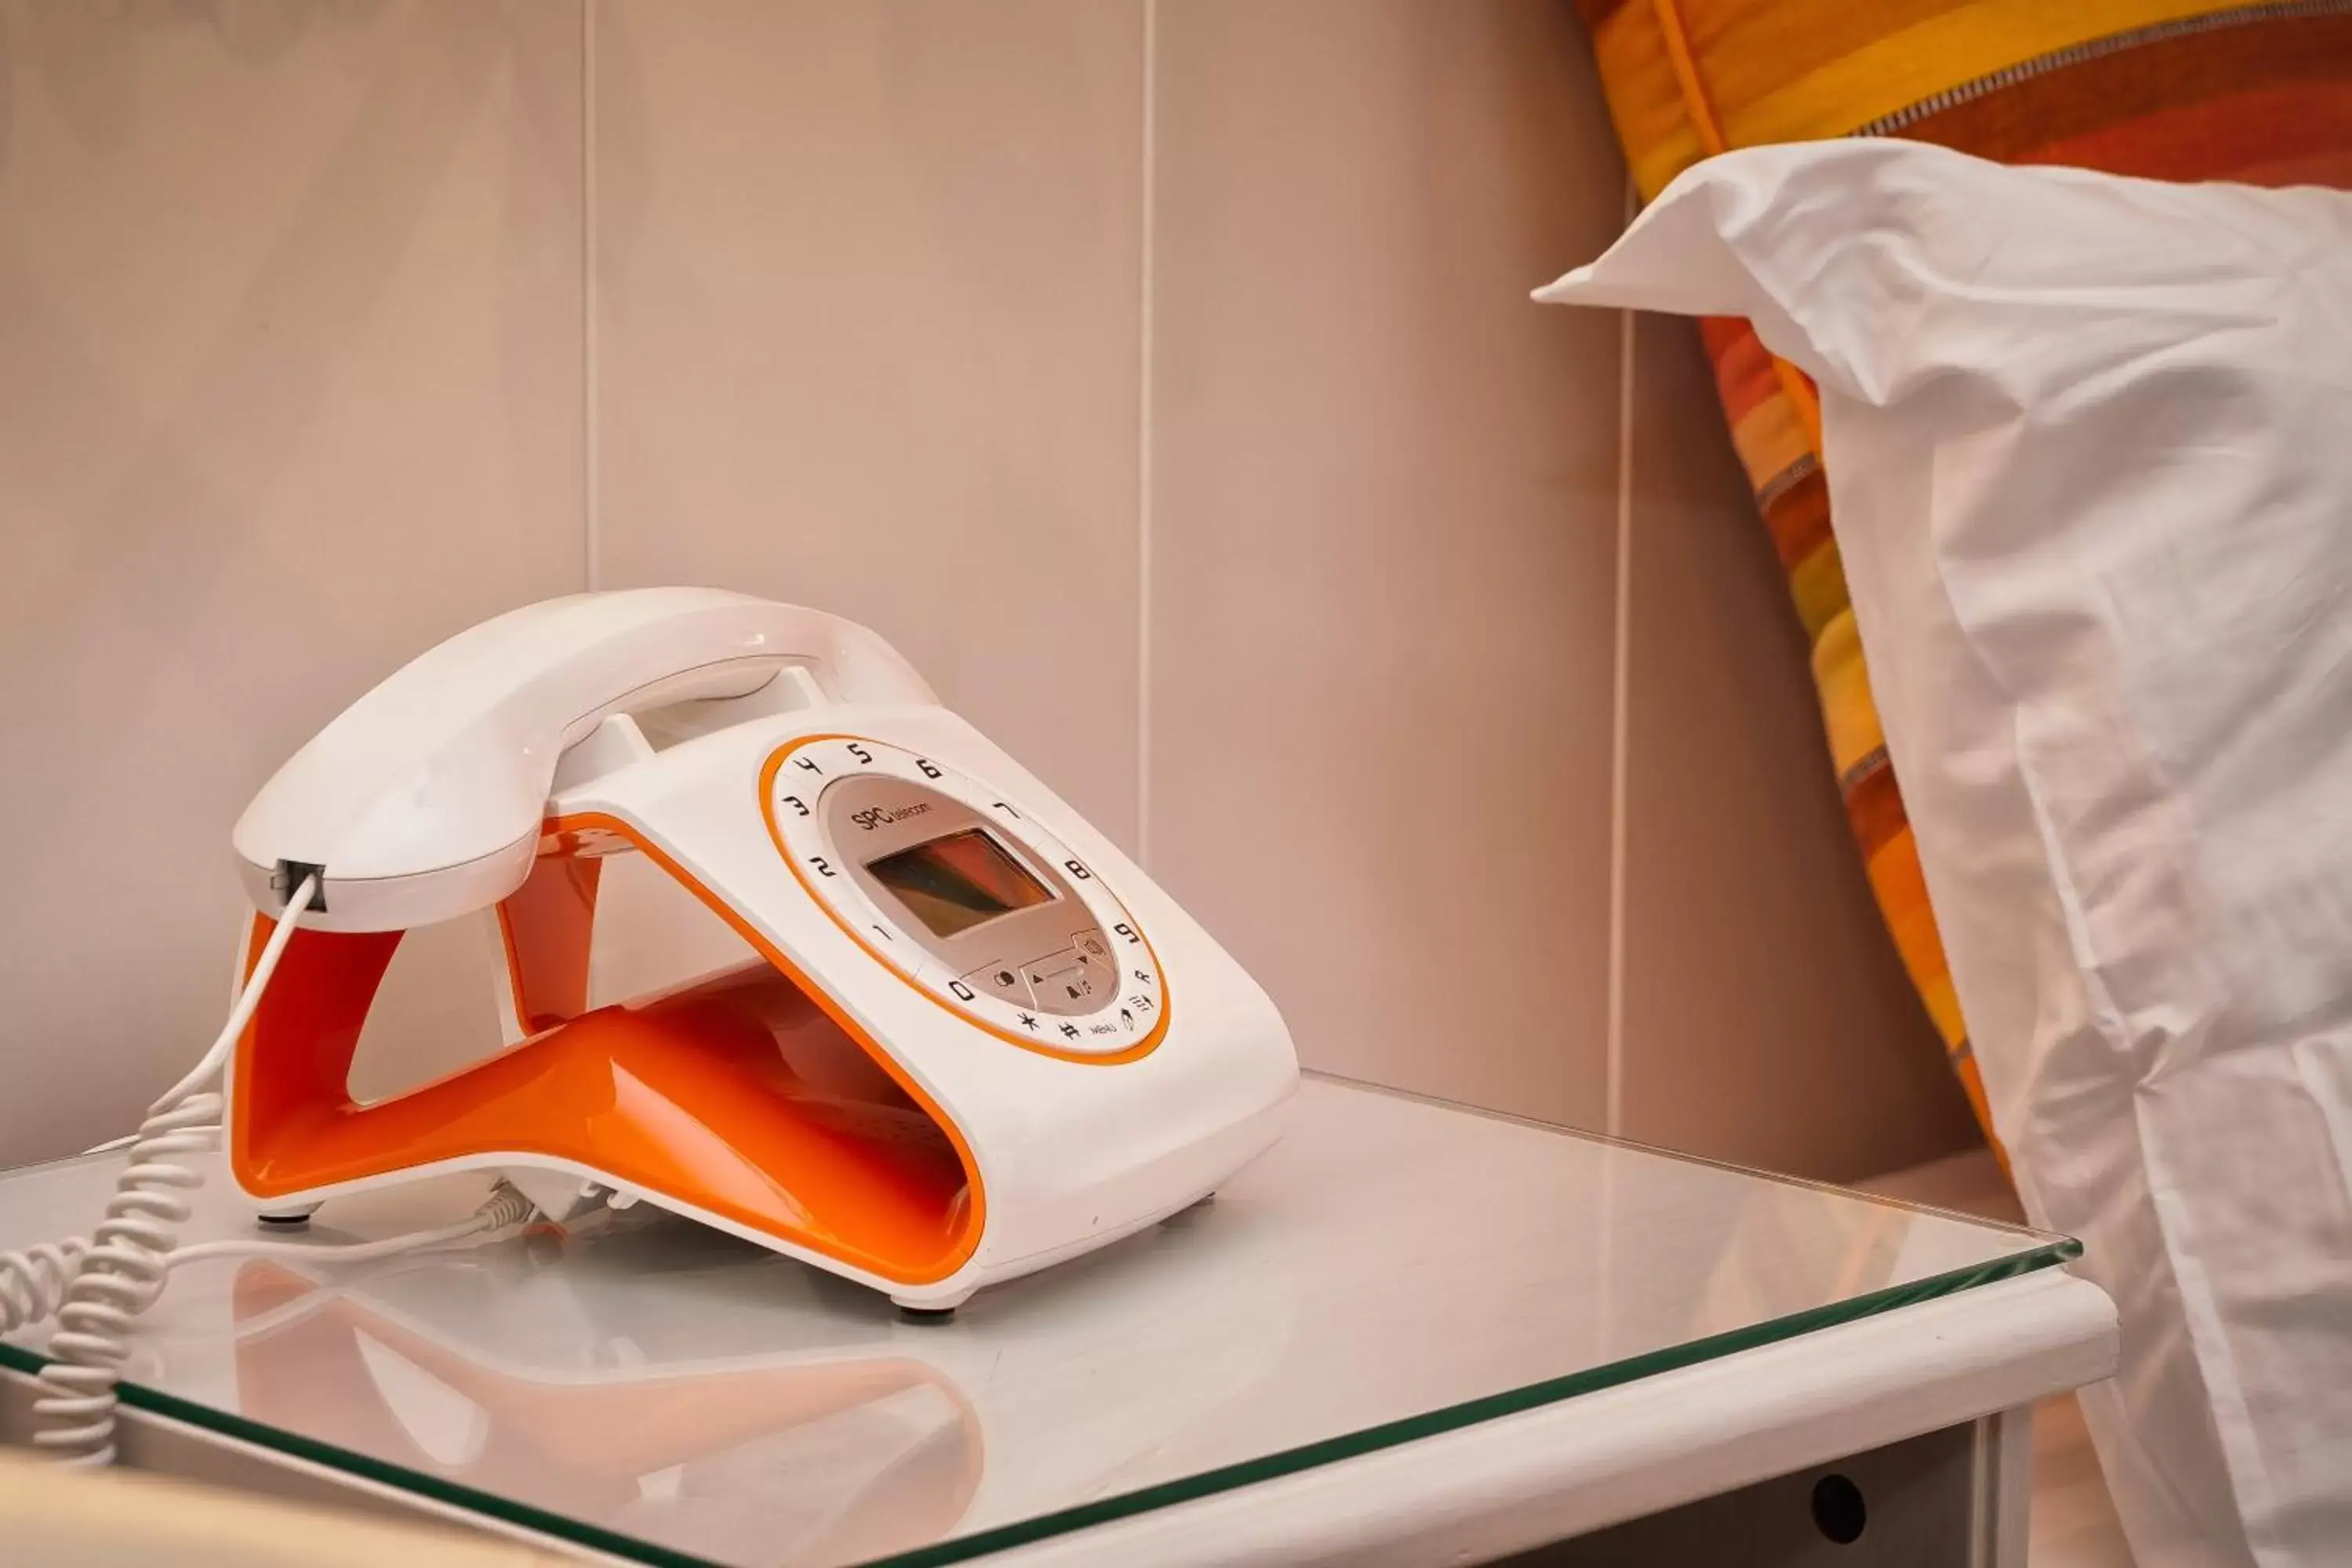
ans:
(97, 1286)
(505, 1207)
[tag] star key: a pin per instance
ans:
(1028, 1023)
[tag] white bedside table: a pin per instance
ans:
(1410, 1333)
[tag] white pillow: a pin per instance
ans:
(2089, 444)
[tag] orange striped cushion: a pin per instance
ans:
(2183, 89)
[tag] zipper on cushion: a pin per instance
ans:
(2093, 49)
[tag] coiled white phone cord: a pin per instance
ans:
(96, 1285)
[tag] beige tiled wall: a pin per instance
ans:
(1767, 1019)
(870, 323)
(1384, 531)
(1157, 373)
(289, 388)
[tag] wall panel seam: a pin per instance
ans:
(1620, 733)
(1145, 311)
(591, 541)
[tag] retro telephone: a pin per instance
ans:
(981, 1039)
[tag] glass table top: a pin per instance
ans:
(1392, 1269)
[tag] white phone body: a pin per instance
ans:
(1143, 1084)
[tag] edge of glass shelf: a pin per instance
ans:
(2051, 1252)
(1563, 1128)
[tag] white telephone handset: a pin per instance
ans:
(423, 800)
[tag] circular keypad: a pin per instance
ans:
(965, 894)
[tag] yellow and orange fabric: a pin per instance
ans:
(2180, 89)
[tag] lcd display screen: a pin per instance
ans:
(953, 883)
